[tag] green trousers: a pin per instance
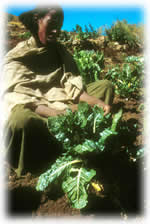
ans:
(29, 145)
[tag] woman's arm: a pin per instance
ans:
(91, 100)
(46, 111)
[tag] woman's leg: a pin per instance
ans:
(29, 144)
(102, 89)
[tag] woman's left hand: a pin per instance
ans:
(106, 109)
(91, 100)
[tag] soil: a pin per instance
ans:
(119, 174)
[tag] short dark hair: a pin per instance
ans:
(28, 18)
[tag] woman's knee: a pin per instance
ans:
(108, 84)
(22, 117)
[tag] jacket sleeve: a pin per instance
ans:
(72, 85)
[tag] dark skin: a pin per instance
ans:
(48, 30)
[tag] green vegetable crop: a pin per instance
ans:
(82, 133)
(87, 34)
(128, 78)
(65, 36)
(90, 64)
(125, 33)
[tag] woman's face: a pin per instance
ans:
(49, 27)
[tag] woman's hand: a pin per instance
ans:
(106, 108)
(91, 100)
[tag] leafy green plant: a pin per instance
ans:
(125, 33)
(90, 64)
(128, 78)
(25, 35)
(89, 32)
(93, 34)
(127, 134)
(65, 36)
(82, 133)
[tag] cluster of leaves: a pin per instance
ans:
(79, 34)
(128, 78)
(82, 133)
(129, 130)
(25, 35)
(89, 33)
(65, 36)
(125, 33)
(90, 64)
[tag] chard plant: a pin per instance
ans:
(65, 36)
(82, 133)
(129, 78)
(25, 35)
(89, 32)
(90, 64)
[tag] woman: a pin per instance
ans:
(42, 80)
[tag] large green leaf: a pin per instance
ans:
(116, 119)
(76, 187)
(55, 171)
(82, 114)
(104, 136)
(85, 147)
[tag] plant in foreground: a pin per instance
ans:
(83, 133)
